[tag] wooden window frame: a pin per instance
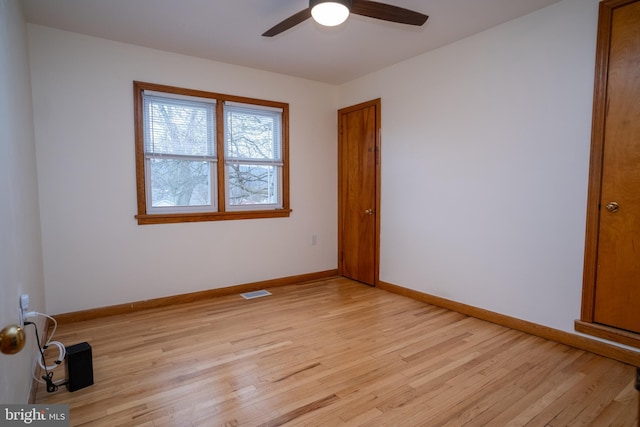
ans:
(222, 213)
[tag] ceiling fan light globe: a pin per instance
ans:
(330, 13)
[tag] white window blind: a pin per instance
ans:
(179, 127)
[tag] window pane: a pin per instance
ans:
(252, 184)
(180, 183)
(179, 127)
(252, 134)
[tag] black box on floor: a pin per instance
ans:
(79, 366)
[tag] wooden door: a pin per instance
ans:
(358, 188)
(611, 296)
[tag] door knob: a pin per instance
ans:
(613, 207)
(369, 211)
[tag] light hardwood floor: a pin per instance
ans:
(332, 353)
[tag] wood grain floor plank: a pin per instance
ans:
(334, 353)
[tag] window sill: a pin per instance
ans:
(145, 219)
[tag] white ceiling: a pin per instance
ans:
(230, 31)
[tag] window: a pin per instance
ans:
(179, 153)
(203, 156)
(253, 156)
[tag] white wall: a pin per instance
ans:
(485, 151)
(94, 252)
(20, 253)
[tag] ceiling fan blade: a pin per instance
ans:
(288, 23)
(387, 12)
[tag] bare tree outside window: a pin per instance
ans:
(253, 156)
(179, 133)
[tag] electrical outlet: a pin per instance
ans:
(24, 302)
(24, 306)
(314, 240)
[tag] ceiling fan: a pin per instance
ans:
(335, 12)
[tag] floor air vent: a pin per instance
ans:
(255, 294)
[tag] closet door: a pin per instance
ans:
(358, 191)
(611, 290)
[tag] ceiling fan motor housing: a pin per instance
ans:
(346, 3)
